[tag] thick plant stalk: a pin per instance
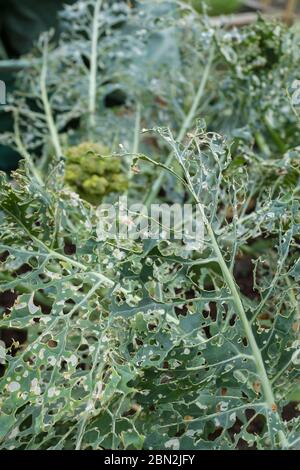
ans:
(137, 129)
(94, 61)
(22, 150)
(184, 128)
(47, 107)
(136, 138)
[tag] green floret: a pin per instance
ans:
(92, 164)
(113, 164)
(73, 173)
(84, 149)
(119, 183)
(92, 173)
(95, 185)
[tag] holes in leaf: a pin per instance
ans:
(33, 262)
(291, 411)
(3, 256)
(134, 408)
(26, 424)
(165, 379)
(244, 275)
(69, 304)
(53, 411)
(43, 277)
(69, 248)
(130, 348)
(180, 432)
(40, 437)
(155, 358)
(257, 423)
(239, 426)
(182, 310)
(212, 436)
(25, 268)
(152, 326)
(207, 332)
(213, 310)
(78, 392)
(43, 301)
(115, 98)
(29, 358)
(20, 412)
(236, 429)
(265, 321)
(7, 299)
(12, 338)
(243, 445)
(205, 314)
(19, 369)
(120, 297)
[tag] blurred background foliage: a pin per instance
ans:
(22, 22)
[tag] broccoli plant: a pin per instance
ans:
(152, 342)
(139, 344)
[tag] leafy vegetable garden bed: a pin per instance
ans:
(152, 343)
